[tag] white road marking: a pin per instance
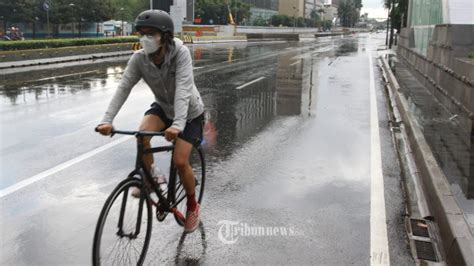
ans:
(28, 181)
(249, 83)
(378, 227)
(295, 63)
(199, 67)
(66, 75)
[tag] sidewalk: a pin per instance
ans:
(442, 152)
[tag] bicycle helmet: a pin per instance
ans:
(155, 18)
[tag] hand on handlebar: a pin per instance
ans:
(171, 133)
(105, 129)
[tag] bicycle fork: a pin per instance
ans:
(120, 231)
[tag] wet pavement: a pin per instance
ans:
(287, 146)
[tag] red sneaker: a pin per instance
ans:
(192, 219)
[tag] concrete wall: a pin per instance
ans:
(250, 29)
(446, 70)
(36, 54)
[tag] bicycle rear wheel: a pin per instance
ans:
(123, 230)
(196, 159)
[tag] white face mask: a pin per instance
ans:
(150, 44)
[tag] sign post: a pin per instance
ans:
(177, 17)
(46, 7)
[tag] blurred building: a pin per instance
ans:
(292, 8)
(330, 10)
(424, 15)
(300, 8)
(311, 5)
(264, 4)
(262, 9)
(186, 7)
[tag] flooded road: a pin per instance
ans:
(288, 145)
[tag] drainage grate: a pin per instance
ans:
(425, 250)
(419, 228)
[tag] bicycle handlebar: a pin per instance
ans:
(135, 133)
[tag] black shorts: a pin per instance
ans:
(193, 131)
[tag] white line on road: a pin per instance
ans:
(295, 63)
(249, 83)
(199, 67)
(66, 75)
(26, 182)
(378, 226)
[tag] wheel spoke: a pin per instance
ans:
(124, 250)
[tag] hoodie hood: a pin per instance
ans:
(174, 50)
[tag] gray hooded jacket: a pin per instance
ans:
(172, 84)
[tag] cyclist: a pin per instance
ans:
(165, 64)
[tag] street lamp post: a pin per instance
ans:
(34, 27)
(294, 17)
(96, 23)
(72, 22)
(4, 25)
(122, 9)
(81, 19)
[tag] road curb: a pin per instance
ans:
(455, 233)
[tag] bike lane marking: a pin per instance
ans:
(33, 179)
(379, 254)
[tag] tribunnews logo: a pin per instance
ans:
(230, 231)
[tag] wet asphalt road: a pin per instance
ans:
(288, 146)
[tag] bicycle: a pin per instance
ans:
(165, 202)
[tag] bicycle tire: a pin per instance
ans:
(125, 184)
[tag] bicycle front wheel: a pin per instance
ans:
(123, 230)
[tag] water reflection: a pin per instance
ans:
(348, 45)
(289, 85)
(237, 113)
(182, 258)
(21, 88)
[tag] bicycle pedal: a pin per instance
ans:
(160, 216)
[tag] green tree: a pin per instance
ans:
(217, 11)
(277, 20)
(131, 8)
(259, 22)
(349, 12)
(398, 10)
(240, 11)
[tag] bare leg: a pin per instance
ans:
(182, 151)
(150, 123)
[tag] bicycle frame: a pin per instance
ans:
(164, 202)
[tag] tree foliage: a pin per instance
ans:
(284, 20)
(217, 11)
(398, 9)
(349, 12)
(67, 11)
